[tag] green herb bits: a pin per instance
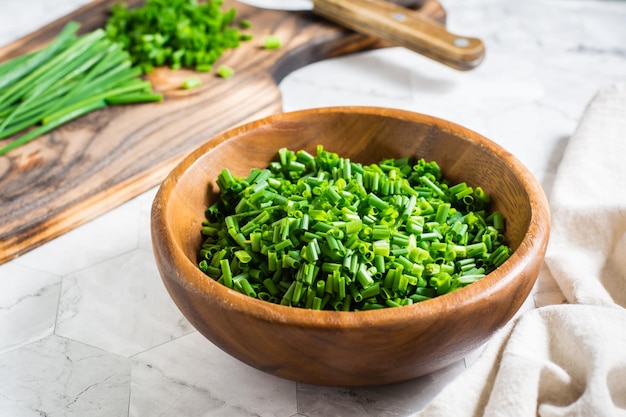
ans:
(322, 232)
(176, 33)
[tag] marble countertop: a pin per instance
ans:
(86, 326)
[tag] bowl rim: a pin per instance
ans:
(190, 276)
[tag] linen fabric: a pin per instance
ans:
(566, 359)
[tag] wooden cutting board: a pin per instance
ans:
(95, 163)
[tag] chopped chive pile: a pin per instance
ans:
(322, 232)
(75, 75)
(175, 33)
(70, 77)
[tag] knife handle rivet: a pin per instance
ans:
(461, 42)
(399, 17)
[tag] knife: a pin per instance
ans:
(395, 24)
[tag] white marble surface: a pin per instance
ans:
(86, 327)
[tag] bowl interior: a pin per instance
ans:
(361, 136)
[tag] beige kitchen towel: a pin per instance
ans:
(587, 255)
(567, 359)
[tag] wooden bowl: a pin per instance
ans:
(350, 348)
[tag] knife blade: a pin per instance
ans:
(392, 23)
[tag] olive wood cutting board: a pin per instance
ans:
(99, 161)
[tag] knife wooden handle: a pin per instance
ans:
(401, 26)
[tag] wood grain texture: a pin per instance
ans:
(103, 159)
(350, 348)
(388, 21)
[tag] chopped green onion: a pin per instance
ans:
(176, 33)
(322, 232)
(271, 42)
(225, 71)
(245, 24)
(191, 82)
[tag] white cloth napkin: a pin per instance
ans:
(567, 359)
